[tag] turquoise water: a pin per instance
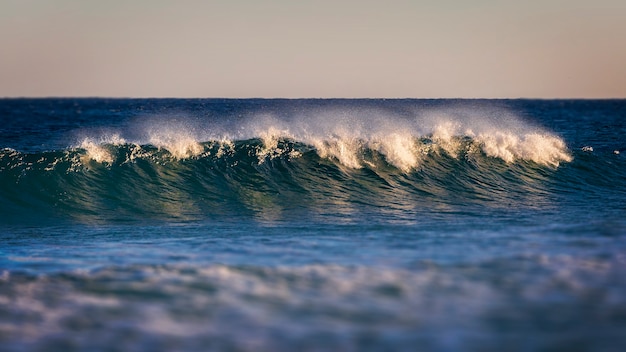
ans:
(211, 224)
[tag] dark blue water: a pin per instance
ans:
(211, 224)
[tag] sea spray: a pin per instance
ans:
(96, 148)
(347, 135)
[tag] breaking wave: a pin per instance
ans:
(303, 165)
(346, 136)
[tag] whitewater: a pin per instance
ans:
(312, 224)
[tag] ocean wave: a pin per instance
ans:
(401, 150)
(344, 135)
(269, 175)
(309, 164)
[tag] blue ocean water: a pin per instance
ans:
(316, 224)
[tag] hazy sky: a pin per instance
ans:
(320, 48)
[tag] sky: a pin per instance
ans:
(313, 49)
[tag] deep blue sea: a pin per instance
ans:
(312, 225)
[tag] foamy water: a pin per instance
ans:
(347, 135)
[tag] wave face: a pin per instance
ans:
(296, 159)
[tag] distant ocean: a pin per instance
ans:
(312, 225)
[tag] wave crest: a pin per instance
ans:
(347, 136)
(540, 148)
(403, 150)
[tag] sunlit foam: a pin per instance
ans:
(537, 147)
(96, 149)
(446, 136)
(270, 138)
(349, 135)
(343, 150)
(178, 139)
(498, 134)
(345, 135)
(400, 149)
(179, 145)
(225, 147)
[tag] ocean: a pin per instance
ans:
(312, 225)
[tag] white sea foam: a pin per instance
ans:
(445, 135)
(399, 148)
(218, 299)
(96, 148)
(178, 139)
(270, 139)
(342, 149)
(346, 135)
(179, 144)
(540, 148)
